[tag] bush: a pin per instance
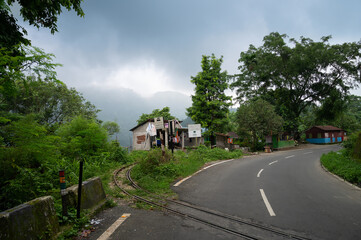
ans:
(152, 161)
(357, 147)
(156, 172)
(342, 165)
(349, 144)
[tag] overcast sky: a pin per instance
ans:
(141, 47)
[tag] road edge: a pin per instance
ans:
(338, 177)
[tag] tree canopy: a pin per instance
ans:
(294, 76)
(111, 127)
(210, 104)
(36, 13)
(258, 118)
(165, 113)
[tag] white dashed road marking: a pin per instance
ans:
(268, 205)
(184, 179)
(273, 162)
(114, 226)
(259, 173)
(290, 156)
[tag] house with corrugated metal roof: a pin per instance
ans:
(325, 134)
(146, 137)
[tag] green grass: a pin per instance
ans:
(341, 164)
(156, 173)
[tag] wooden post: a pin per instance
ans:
(79, 188)
(166, 139)
(182, 140)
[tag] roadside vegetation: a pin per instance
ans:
(46, 126)
(347, 162)
(156, 173)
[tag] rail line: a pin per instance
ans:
(257, 227)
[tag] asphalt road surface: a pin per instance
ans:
(286, 189)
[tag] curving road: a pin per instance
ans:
(286, 189)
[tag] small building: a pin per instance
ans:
(226, 140)
(281, 140)
(143, 139)
(325, 134)
(222, 140)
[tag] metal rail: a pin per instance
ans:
(195, 218)
(223, 215)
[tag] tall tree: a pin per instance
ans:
(165, 113)
(258, 117)
(36, 13)
(296, 75)
(210, 103)
(112, 128)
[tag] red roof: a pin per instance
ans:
(329, 128)
(233, 135)
(222, 134)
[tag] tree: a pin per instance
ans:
(82, 137)
(210, 104)
(37, 13)
(52, 102)
(112, 128)
(292, 77)
(259, 118)
(31, 64)
(165, 113)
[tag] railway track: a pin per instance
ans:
(235, 226)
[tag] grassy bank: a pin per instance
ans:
(156, 172)
(341, 164)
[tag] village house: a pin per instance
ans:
(226, 140)
(325, 134)
(146, 136)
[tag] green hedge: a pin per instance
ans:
(344, 166)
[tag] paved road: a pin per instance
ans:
(300, 195)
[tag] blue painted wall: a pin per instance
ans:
(323, 140)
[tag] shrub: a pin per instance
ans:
(156, 172)
(342, 165)
(154, 158)
(357, 147)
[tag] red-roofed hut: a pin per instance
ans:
(325, 134)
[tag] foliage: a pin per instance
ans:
(259, 118)
(33, 156)
(36, 13)
(231, 121)
(52, 102)
(137, 156)
(210, 103)
(82, 137)
(342, 165)
(156, 173)
(111, 127)
(77, 224)
(165, 113)
(294, 77)
(357, 147)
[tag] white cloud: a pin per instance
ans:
(143, 77)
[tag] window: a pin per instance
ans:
(318, 135)
(310, 135)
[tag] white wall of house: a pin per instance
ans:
(141, 140)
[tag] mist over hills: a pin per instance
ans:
(124, 106)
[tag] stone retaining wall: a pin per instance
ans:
(37, 219)
(92, 194)
(32, 220)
